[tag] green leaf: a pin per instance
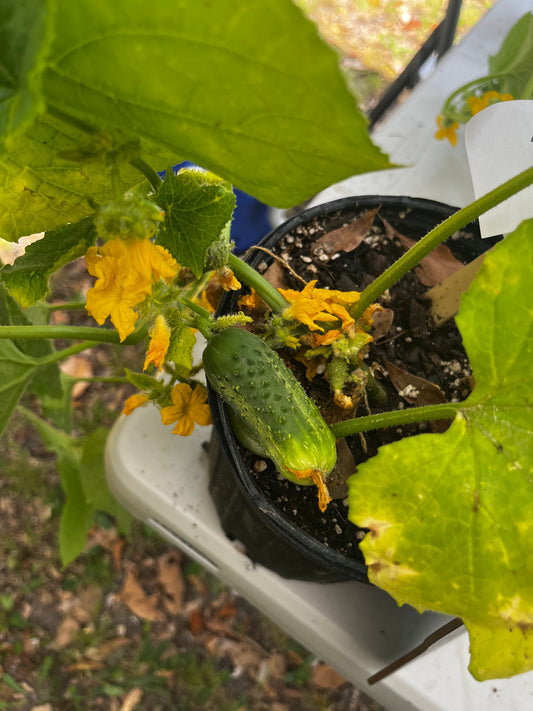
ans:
(17, 370)
(451, 515)
(25, 33)
(198, 205)
(78, 513)
(46, 381)
(94, 482)
(180, 351)
(243, 88)
(27, 278)
(41, 187)
(515, 56)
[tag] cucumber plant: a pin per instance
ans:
(94, 102)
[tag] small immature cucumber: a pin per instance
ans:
(271, 414)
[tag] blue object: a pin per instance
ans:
(250, 218)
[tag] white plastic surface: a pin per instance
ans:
(357, 629)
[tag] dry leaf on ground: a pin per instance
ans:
(131, 699)
(327, 678)
(133, 596)
(171, 580)
(78, 367)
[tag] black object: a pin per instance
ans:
(246, 514)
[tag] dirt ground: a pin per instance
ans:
(133, 624)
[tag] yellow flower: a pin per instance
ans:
(189, 407)
(478, 103)
(447, 130)
(306, 306)
(249, 301)
(133, 402)
(125, 271)
(312, 305)
(159, 342)
(227, 279)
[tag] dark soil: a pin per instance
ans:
(412, 344)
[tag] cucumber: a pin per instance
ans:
(270, 411)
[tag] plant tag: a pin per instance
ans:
(499, 145)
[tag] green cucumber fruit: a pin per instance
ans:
(270, 411)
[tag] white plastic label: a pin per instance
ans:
(499, 145)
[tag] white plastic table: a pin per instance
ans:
(357, 629)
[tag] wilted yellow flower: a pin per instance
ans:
(227, 279)
(188, 407)
(159, 342)
(133, 402)
(249, 301)
(327, 338)
(478, 103)
(125, 271)
(447, 130)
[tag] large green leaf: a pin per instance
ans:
(451, 515)
(50, 175)
(241, 87)
(198, 205)
(27, 278)
(25, 31)
(515, 56)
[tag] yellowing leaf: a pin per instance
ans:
(451, 515)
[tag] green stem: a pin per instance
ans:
(244, 272)
(67, 306)
(77, 333)
(446, 411)
(116, 182)
(148, 172)
(56, 356)
(439, 234)
(103, 379)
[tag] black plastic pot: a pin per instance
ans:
(246, 514)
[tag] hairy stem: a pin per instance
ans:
(446, 411)
(244, 272)
(438, 235)
(76, 333)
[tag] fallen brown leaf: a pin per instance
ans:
(85, 666)
(439, 263)
(275, 274)
(327, 678)
(415, 390)
(195, 622)
(66, 632)
(133, 596)
(171, 580)
(99, 654)
(78, 366)
(131, 699)
(382, 319)
(346, 238)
